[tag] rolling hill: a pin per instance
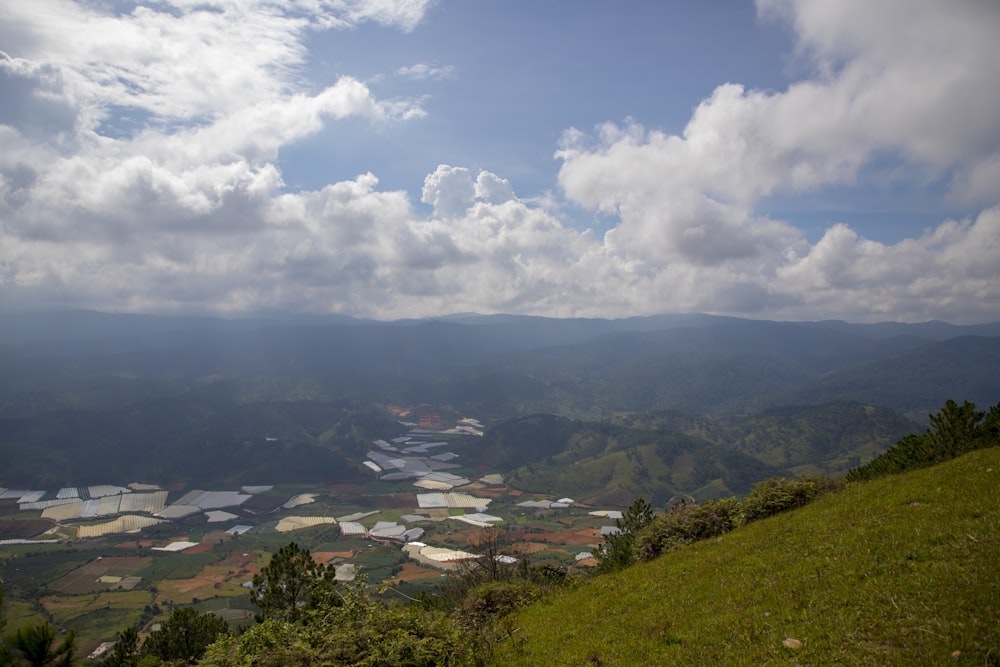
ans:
(899, 571)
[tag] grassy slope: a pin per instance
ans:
(904, 570)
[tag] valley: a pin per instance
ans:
(152, 464)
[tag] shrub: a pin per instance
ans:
(783, 493)
(685, 524)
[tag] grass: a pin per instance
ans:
(899, 571)
(176, 566)
(96, 617)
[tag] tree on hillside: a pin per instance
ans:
(126, 650)
(184, 636)
(36, 645)
(955, 430)
(497, 557)
(954, 427)
(989, 429)
(618, 549)
(292, 582)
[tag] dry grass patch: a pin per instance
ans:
(414, 572)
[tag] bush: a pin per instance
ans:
(495, 599)
(685, 524)
(783, 493)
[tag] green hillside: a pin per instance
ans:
(898, 571)
(661, 454)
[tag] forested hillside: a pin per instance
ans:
(659, 455)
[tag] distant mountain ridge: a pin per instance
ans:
(193, 391)
(582, 367)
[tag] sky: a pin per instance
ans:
(387, 159)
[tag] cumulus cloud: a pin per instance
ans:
(187, 210)
(912, 79)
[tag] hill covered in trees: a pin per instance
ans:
(662, 454)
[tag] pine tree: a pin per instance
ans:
(291, 582)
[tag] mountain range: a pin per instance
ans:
(196, 389)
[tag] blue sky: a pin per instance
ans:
(785, 159)
(520, 73)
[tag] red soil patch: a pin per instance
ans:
(413, 572)
(570, 537)
(208, 542)
(528, 548)
(223, 576)
(490, 491)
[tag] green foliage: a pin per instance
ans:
(126, 651)
(494, 599)
(665, 453)
(291, 583)
(184, 636)
(779, 494)
(484, 615)
(618, 550)
(692, 522)
(36, 645)
(687, 523)
(955, 429)
(361, 632)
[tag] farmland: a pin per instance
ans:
(101, 575)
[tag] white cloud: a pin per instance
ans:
(187, 210)
(422, 71)
(914, 79)
(450, 191)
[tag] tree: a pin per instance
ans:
(292, 582)
(497, 555)
(36, 645)
(184, 636)
(618, 549)
(955, 428)
(989, 429)
(126, 651)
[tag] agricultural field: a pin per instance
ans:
(132, 569)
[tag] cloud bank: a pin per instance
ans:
(138, 171)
